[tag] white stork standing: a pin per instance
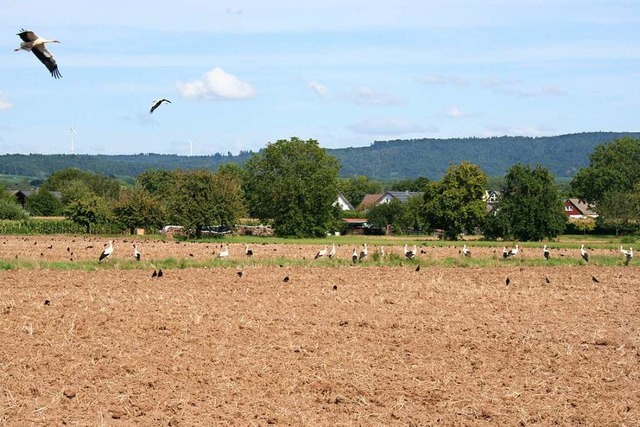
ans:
(224, 253)
(584, 254)
(321, 253)
(156, 103)
(248, 251)
(354, 255)
(505, 252)
(545, 252)
(628, 254)
(107, 252)
(513, 251)
(136, 252)
(32, 43)
(465, 251)
(364, 252)
(332, 252)
(410, 254)
(382, 252)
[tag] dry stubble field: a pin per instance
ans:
(387, 346)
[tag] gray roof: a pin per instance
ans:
(403, 196)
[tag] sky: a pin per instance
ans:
(244, 73)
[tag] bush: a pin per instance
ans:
(12, 210)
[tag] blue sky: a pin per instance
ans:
(241, 74)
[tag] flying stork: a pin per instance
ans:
(545, 252)
(106, 253)
(584, 254)
(32, 43)
(136, 252)
(155, 104)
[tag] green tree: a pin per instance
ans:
(415, 185)
(5, 194)
(293, 183)
(618, 210)
(202, 199)
(10, 209)
(530, 207)
(89, 211)
(613, 168)
(355, 188)
(44, 203)
(387, 215)
(137, 209)
(159, 183)
(68, 180)
(455, 203)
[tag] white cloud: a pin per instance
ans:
(216, 85)
(4, 103)
(532, 131)
(455, 112)
(319, 89)
(527, 93)
(368, 96)
(387, 126)
(438, 79)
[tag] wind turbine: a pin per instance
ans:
(72, 131)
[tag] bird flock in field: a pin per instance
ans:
(35, 44)
(358, 255)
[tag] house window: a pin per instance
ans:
(568, 208)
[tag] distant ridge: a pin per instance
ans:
(563, 155)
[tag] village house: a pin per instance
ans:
(578, 209)
(371, 200)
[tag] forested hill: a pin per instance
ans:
(564, 155)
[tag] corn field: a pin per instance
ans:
(49, 226)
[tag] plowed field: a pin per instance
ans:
(332, 346)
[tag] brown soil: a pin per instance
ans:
(387, 346)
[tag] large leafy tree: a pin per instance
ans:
(419, 184)
(157, 182)
(293, 183)
(530, 207)
(202, 198)
(455, 203)
(137, 209)
(89, 211)
(44, 203)
(387, 215)
(613, 168)
(75, 184)
(620, 210)
(610, 183)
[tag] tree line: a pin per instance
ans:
(293, 184)
(563, 155)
